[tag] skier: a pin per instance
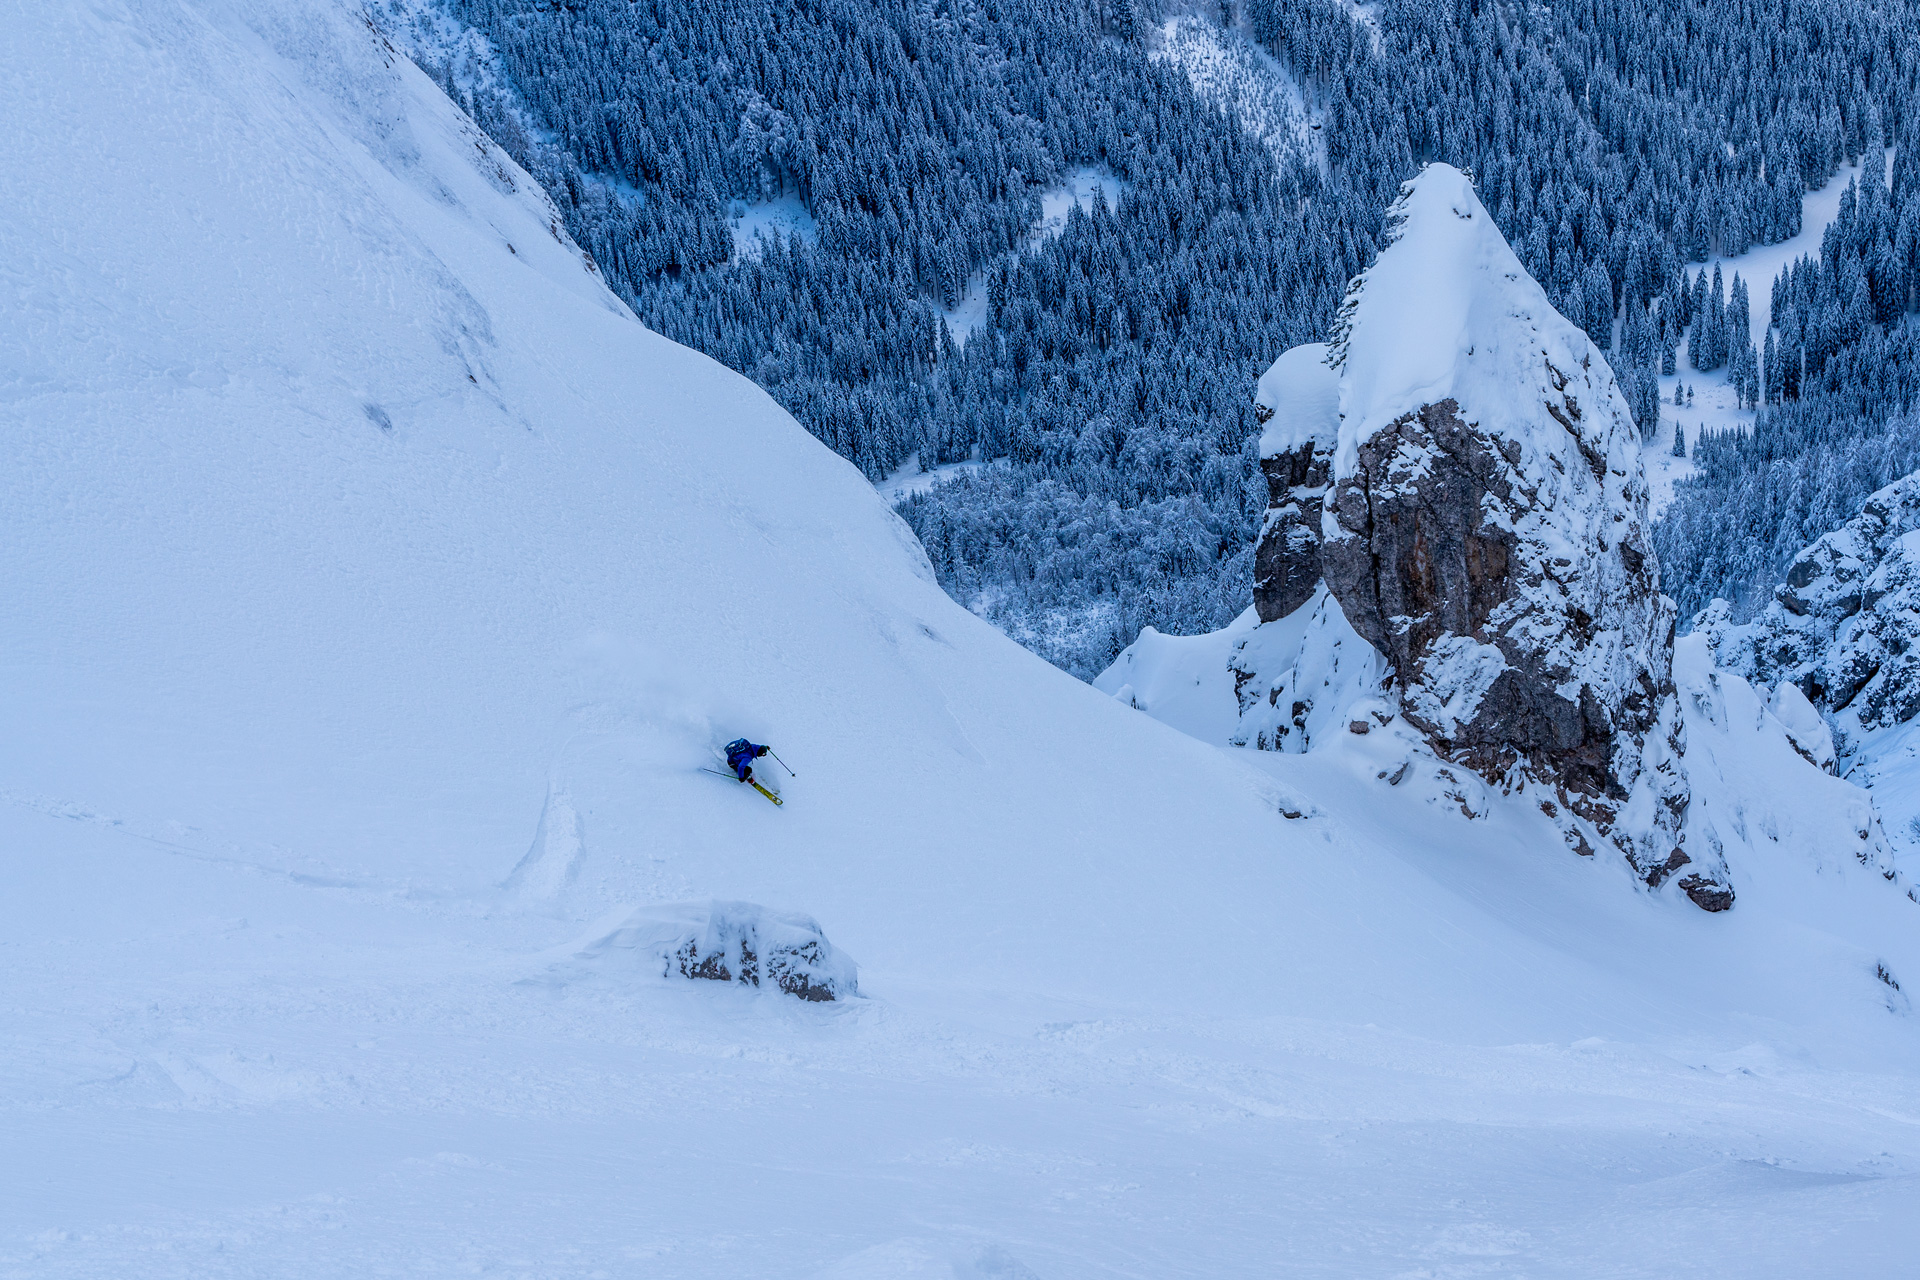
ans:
(740, 757)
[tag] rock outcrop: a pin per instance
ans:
(1299, 680)
(1840, 646)
(1287, 685)
(1844, 628)
(1487, 531)
(1298, 405)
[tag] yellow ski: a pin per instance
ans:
(773, 796)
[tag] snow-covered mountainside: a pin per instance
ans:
(378, 592)
(1839, 643)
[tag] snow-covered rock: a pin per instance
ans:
(1811, 736)
(1278, 686)
(1303, 677)
(1756, 793)
(1487, 532)
(1843, 626)
(1298, 403)
(1840, 643)
(737, 942)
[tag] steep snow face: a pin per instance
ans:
(1758, 796)
(1843, 633)
(356, 531)
(1487, 532)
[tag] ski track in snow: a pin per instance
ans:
(362, 546)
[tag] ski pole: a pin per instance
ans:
(783, 765)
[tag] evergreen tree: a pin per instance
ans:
(1614, 140)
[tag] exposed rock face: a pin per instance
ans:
(1286, 561)
(1845, 626)
(1298, 404)
(1487, 532)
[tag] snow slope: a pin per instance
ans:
(377, 588)
(1276, 686)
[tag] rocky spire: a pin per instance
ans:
(1487, 531)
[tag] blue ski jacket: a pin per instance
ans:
(741, 754)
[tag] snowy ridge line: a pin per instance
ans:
(464, 64)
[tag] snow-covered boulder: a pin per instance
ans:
(1805, 728)
(737, 942)
(1487, 531)
(1298, 403)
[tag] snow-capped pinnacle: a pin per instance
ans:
(1298, 400)
(1486, 531)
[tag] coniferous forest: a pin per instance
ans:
(1107, 383)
